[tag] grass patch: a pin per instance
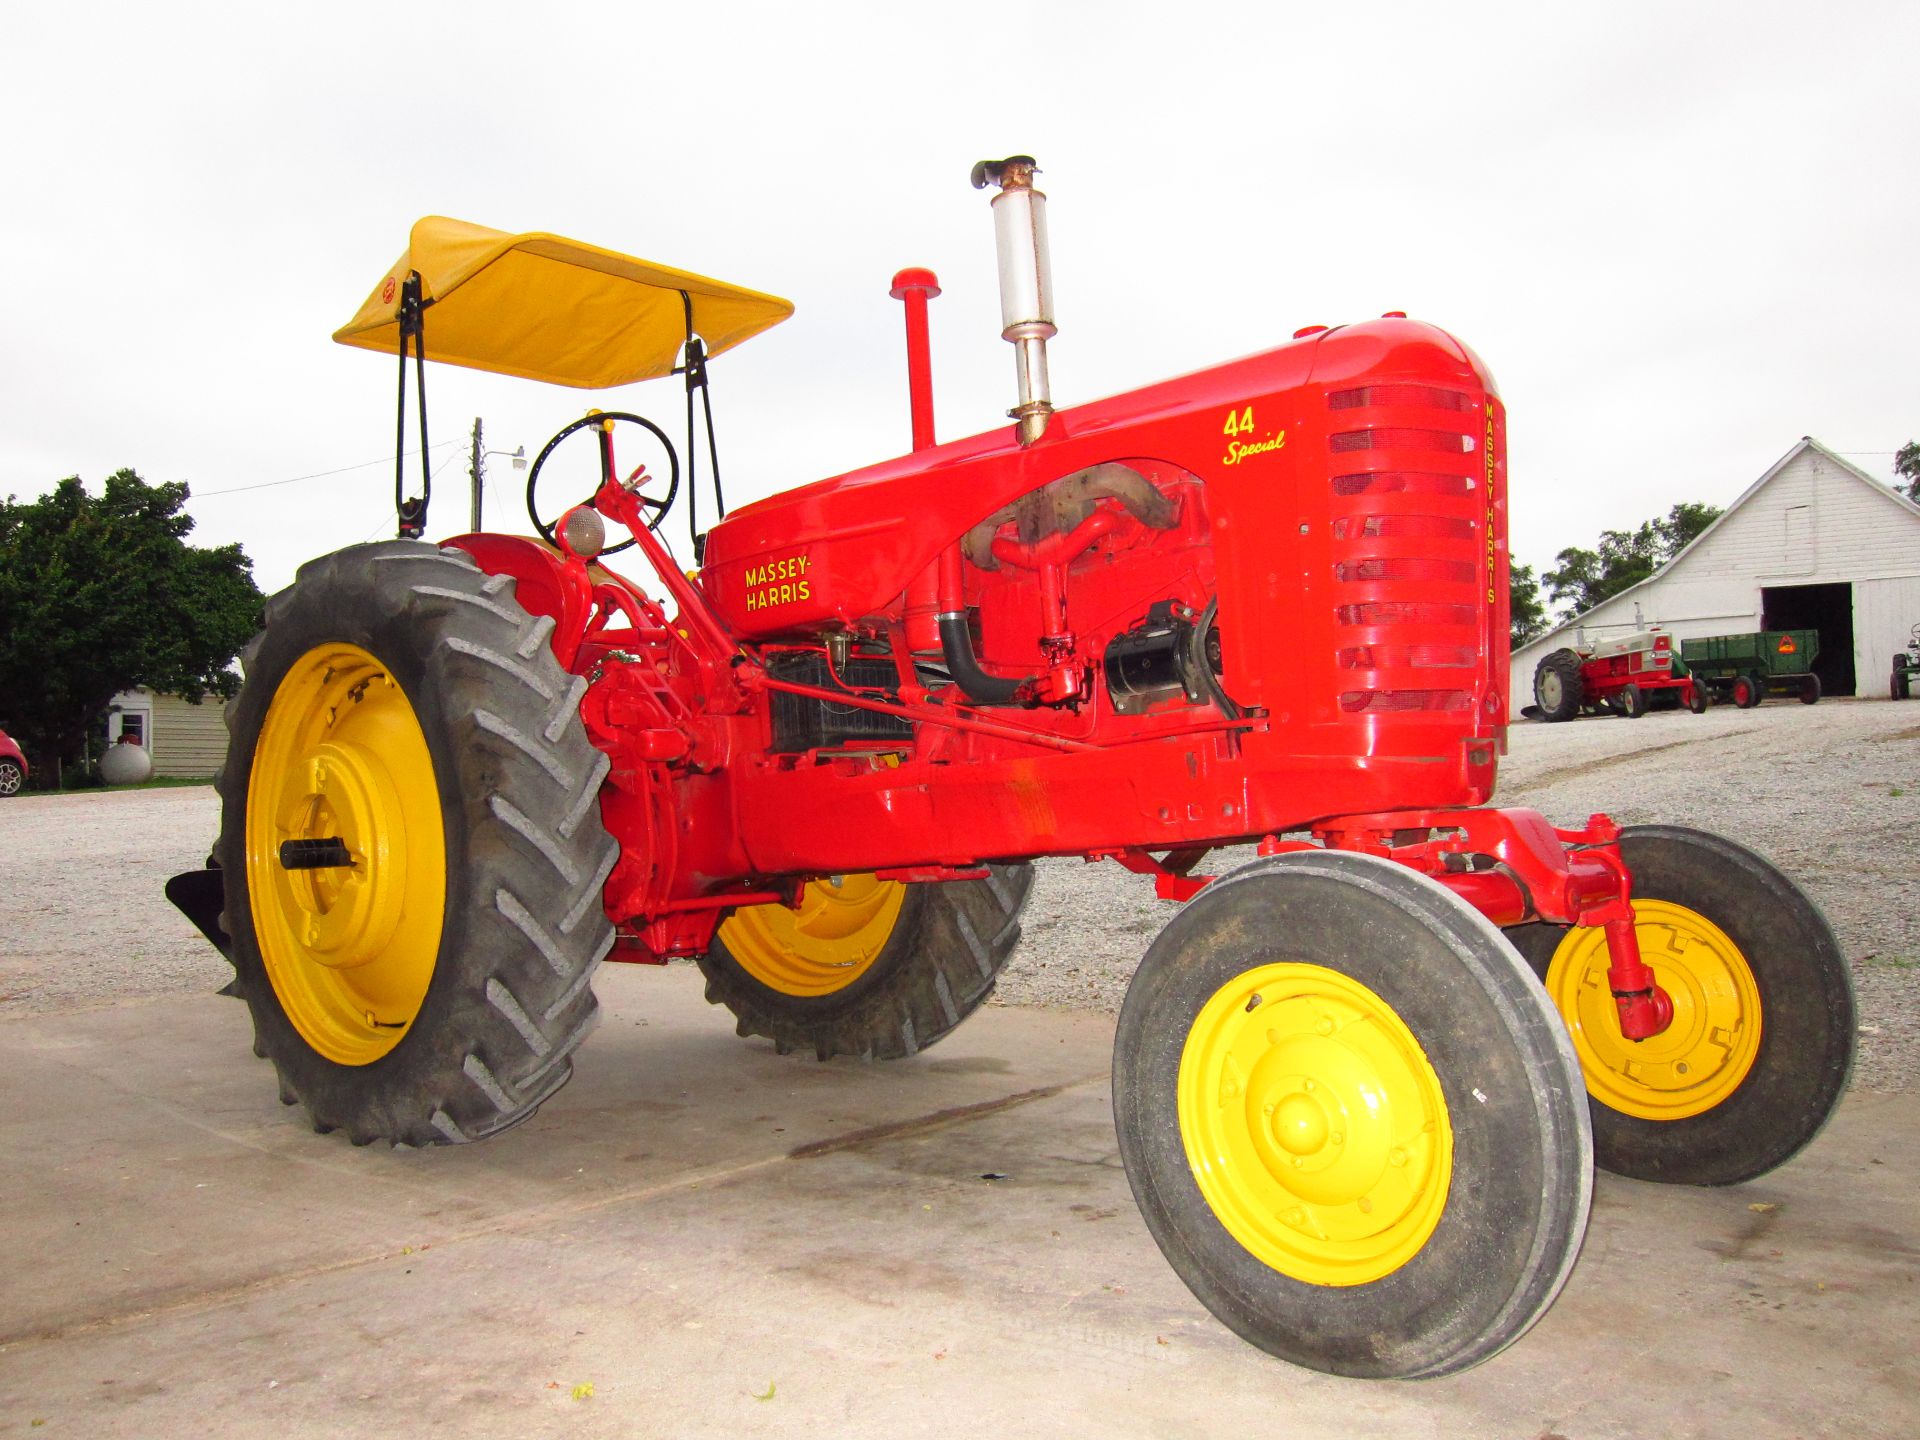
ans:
(1891, 962)
(159, 782)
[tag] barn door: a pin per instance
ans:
(1826, 608)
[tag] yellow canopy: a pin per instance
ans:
(553, 309)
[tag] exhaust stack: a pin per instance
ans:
(1026, 282)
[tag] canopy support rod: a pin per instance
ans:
(412, 514)
(695, 377)
(695, 370)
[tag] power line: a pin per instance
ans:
(318, 475)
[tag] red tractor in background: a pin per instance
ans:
(1628, 675)
(1264, 603)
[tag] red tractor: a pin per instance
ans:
(1264, 603)
(1628, 675)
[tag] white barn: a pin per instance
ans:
(1815, 543)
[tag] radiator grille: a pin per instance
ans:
(1406, 657)
(1404, 438)
(1406, 567)
(1403, 527)
(1405, 612)
(1431, 396)
(1400, 702)
(1395, 482)
(1408, 551)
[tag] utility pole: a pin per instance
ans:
(477, 472)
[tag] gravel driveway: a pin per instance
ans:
(1830, 792)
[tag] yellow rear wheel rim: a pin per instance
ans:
(1699, 1060)
(1314, 1124)
(832, 939)
(349, 951)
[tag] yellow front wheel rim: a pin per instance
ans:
(1314, 1124)
(832, 939)
(350, 951)
(1699, 1060)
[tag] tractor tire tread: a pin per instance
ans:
(1500, 1052)
(946, 953)
(1808, 1014)
(511, 999)
(1564, 665)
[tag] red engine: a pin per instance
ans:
(1326, 521)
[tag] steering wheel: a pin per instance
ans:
(656, 509)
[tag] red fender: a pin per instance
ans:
(543, 584)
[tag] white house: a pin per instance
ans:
(183, 739)
(1815, 543)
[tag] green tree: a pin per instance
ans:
(99, 594)
(1583, 578)
(1906, 464)
(1529, 612)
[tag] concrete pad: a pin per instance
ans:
(720, 1240)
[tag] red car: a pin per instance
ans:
(13, 766)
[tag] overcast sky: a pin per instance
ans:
(1682, 236)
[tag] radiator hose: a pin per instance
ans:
(978, 686)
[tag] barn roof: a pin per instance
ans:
(1804, 444)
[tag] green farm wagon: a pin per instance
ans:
(1746, 669)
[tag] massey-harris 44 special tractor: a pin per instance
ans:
(1265, 603)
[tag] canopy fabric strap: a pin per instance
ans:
(411, 515)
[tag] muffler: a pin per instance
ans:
(1026, 282)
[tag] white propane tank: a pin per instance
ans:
(126, 764)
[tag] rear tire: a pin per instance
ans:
(1350, 1119)
(879, 988)
(401, 699)
(1557, 686)
(1762, 1038)
(1810, 690)
(11, 777)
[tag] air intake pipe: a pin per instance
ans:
(1026, 282)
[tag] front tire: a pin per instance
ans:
(1762, 1037)
(876, 969)
(1633, 702)
(1350, 1119)
(432, 986)
(1747, 691)
(1557, 686)
(11, 777)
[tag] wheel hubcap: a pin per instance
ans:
(1700, 1059)
(349, 950)
(832, 939)
(1314, 1125)
(1550, 690)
